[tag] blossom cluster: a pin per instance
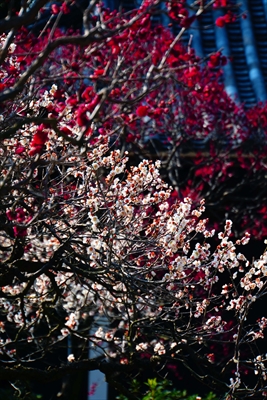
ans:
(103, 238)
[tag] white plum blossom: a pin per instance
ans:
(71, 358)
(101, 239)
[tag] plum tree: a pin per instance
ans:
(89, 229)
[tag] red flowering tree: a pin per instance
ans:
(90, 231)
(168, 103)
